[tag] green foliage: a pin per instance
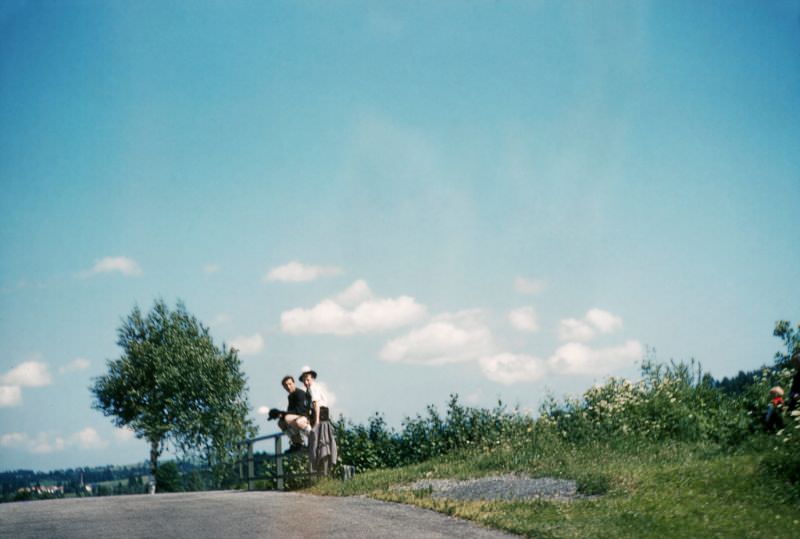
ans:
(168, 478)
(173, 385)
(676, 454)
(791, 340)
(783, 457)
(675, 401)
(375, 445)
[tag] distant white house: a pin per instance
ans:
(48, 489)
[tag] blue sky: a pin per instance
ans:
(499, 200)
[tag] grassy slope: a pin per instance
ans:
(650, 490)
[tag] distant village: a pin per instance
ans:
(20, 485)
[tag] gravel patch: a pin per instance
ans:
(502, 487)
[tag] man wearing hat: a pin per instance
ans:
(321, 441)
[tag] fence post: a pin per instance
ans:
(278, 464)
(250, 465)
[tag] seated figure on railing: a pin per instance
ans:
(295, 420)
(321, 441)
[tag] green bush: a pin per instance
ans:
(783, 458)
(674, 401)
(375, 445)
(168, 478)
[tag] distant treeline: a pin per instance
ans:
(28, 484)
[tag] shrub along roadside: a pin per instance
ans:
(676, 454)
(649, 489)
(671, 402)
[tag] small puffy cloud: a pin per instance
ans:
(88, 438)
(512, 368)
(577, 358)
(45, 443)
(121, 264)
(595, 321)
(573, 329)
(448, 338)
(211, 269)
(528, 286)
(524, 319)
(78, 364)
(604, 321)
(247, 346)
(28, 374)
(356, 293)
(10, 396)
(263, 410)
(124, 434)
(296, 272)
(339, 317)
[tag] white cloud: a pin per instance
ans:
(263, 410)
(604, 321)
(595, 321)
(296, 272)
(524, 319)
(42, 443)
(370, 315)
(10, 396)
(14, 439)
(529, 286)
(124, 265)
(247, 346)
(77, 364)
(354, 294)
(449, 338)
(577, 358)
(49, 442)
(45, 443)
(28, 374)
(124, 434)
(88, 438)
(512, 368)
(572, 329)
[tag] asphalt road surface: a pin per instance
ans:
(201, 515)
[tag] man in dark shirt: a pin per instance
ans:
(295, 421)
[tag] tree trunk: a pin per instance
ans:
(154, 459)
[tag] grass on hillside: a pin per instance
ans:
(642, 489)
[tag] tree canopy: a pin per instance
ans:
(173, 385)
(791, 339)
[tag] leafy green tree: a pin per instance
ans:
(791, 339)
(168, 478)
(173, 385)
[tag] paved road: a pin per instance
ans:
(202, 515)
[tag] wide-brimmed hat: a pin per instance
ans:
(777, 390)
(308, 370)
